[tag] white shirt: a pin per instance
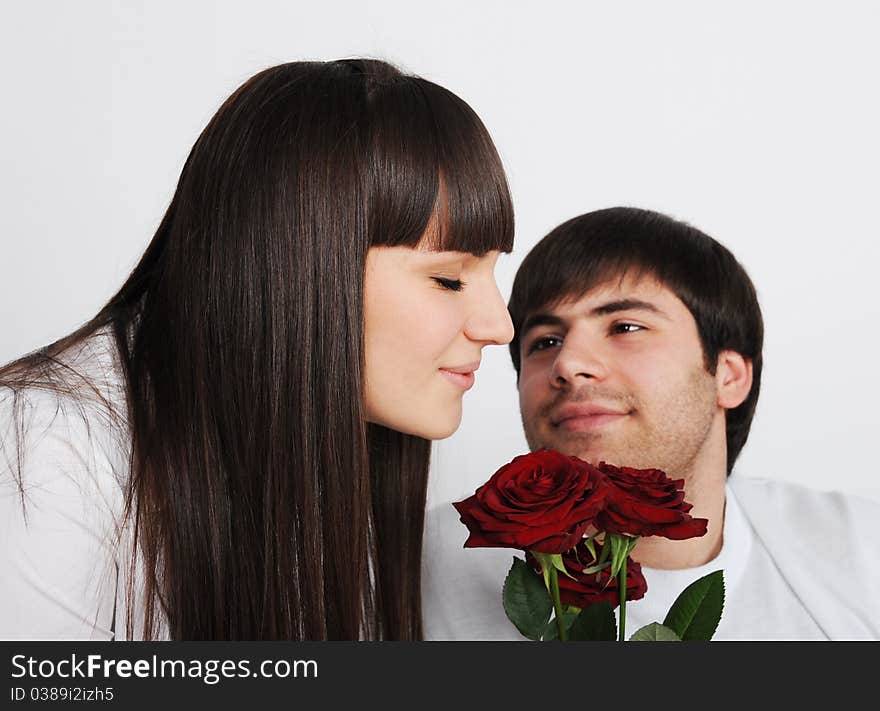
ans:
(64, 557)
(775, 587)
(759, 603)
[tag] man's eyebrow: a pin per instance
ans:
(611, 307)
(547, 319)
(541, 319)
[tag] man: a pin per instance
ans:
(638, 342)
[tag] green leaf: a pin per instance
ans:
(594, 569)
(525, 600)
(655, 632)
(590, 546)
(596, 622)
(606, 551)
(556, 560)
(551, 631)
(619, 550)
(547, 562)
(696, 612)
(546, 566)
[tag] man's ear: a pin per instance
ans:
(733, 379)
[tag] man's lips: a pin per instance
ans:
(584, 418)
(461, 375)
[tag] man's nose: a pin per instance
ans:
(577, 359)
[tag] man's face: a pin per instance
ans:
(618, 375)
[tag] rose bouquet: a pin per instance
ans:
(577, 524)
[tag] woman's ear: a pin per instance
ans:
(733, 379)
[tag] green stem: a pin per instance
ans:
(621, 582)
(557, 605)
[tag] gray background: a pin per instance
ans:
(755, 121)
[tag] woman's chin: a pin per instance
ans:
(442, 433)
(440, 426)
(433, 428)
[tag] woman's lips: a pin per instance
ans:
(461, 375)
(462, 380)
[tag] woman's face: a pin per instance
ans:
(428, 316)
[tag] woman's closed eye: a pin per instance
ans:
(451, 284)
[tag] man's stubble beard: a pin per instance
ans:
(672, 436)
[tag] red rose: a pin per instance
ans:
(646, 502)
(543, 501)
(587, 589)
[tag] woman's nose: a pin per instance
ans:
(490, 320)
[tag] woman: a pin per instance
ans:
(236, 446)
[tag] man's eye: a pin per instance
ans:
(540, 344)
(626, 328)
(451, 284)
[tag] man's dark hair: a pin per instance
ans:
(594, 248)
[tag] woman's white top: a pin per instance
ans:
(64, 557)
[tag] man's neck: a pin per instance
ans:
(707, 494)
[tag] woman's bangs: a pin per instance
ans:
(477, 212)
(434, 158)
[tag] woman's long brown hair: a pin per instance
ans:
(263, 504)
